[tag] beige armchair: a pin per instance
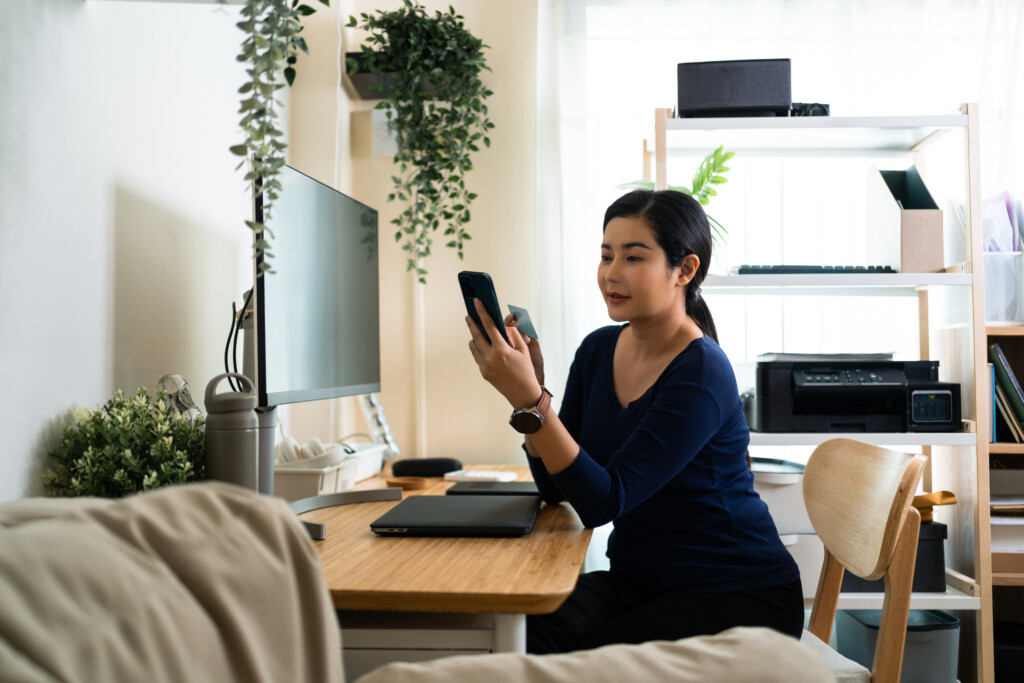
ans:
(211, 582)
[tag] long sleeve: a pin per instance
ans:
(570, 414)
(669, 470)
(679, 422)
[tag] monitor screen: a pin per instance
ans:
(317, 313)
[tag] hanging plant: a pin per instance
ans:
(435, 107)
(270, 48)
(708, 174)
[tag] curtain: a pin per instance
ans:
(605, 65)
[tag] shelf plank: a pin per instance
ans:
(862, 135)
(860, 284)
(1004, 330)
(952, 599)
(1006, 448)
(876, 438)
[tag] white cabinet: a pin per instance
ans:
(958, 461)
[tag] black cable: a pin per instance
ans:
(238, 326)
(227, 346)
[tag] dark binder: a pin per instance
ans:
(1005, 416)
(1006, 379)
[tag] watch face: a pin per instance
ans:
(525, 422)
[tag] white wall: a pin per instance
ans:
(122, 241)
(436, 402)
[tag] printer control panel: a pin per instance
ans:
(849, 377)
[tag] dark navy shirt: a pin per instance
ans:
(670, 471)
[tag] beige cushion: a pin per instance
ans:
(739, 655)
(845, 670)
(206, 582)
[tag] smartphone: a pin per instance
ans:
(479, 286)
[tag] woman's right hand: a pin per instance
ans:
(533, 345)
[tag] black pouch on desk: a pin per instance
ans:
(459, 516)
(424, 467)
(493, 488)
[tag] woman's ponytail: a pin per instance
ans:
(698, 310)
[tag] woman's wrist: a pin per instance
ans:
(527, 399)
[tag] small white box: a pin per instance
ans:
(370, 459)
(809, 553)
(780, 485)
(331, 472)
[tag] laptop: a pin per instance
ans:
(459, 516)
(493, 488)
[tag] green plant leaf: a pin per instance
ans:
(435, 134)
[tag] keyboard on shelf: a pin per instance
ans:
(799, 270)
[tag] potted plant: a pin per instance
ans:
(429, 67)
(709, 173)
(270, 48)
(126, 446)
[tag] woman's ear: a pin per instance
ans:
(688, 268)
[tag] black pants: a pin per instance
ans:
(606, 608)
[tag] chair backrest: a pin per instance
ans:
(858, 498)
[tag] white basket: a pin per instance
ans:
(1004, 277)
(331, 472)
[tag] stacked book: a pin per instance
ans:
(1008, 396)
(1006, 484)
(1007, 508)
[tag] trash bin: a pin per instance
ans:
(930, 652)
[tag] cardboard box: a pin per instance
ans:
(904, 223)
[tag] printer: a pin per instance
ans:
(853, 396)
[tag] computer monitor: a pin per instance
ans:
(317, 313)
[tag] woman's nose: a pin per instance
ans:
(612, 271)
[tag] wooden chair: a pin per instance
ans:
(858, 498)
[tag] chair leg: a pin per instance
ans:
(899, 581)
(823, 613)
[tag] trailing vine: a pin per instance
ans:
(271, 46)
(435, 106)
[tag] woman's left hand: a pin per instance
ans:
(507, 368)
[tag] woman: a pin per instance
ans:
(651, 437)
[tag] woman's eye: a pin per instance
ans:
(634, 258)
(605, 258)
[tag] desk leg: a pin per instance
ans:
(510, 633)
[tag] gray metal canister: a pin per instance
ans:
(231, 433)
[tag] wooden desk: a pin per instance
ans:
(376, 581)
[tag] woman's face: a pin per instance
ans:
(634, 276)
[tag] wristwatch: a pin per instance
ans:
(529, 420)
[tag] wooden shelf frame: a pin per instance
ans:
(877, 438)
(959, 466)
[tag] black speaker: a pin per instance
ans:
(746, 87)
